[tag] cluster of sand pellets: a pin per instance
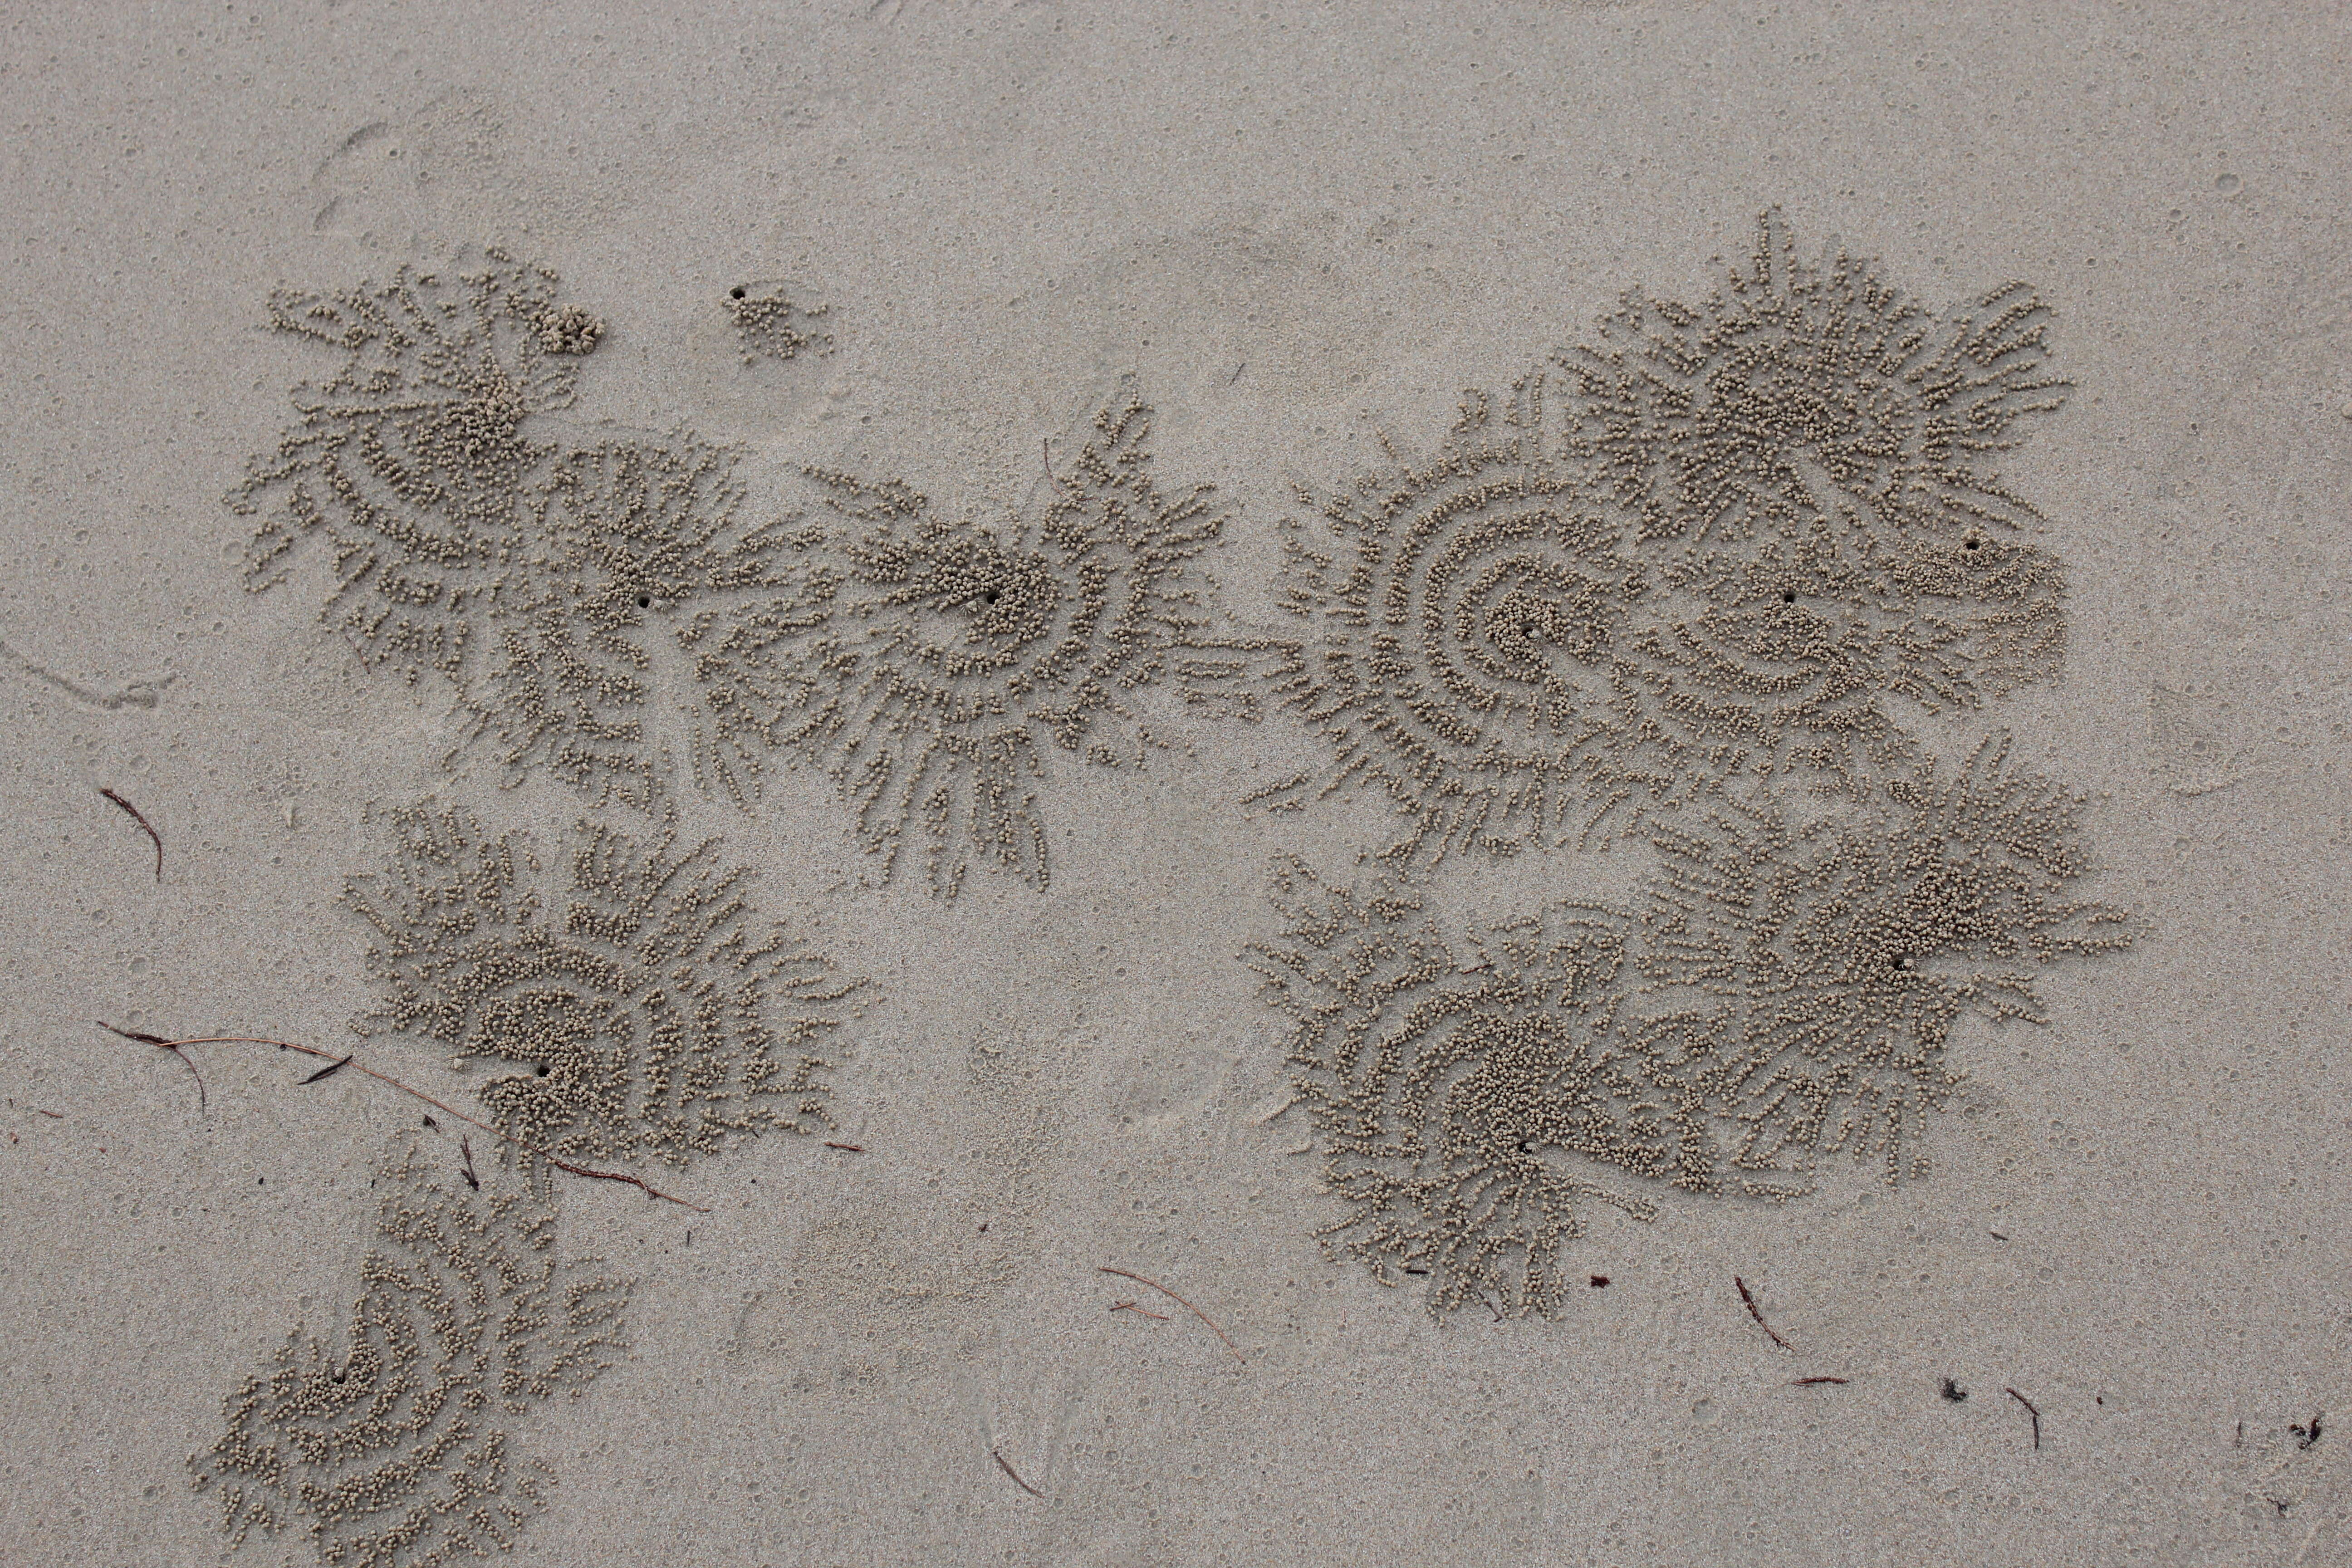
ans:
(631, 1005)
(1715, 555)
(622, 988)
(1693, 587)
(614, 993)
(928, 664)
(576, 587)
(1688, 591)
(646, 1009)
(411, 466)
(777, 322)
(465, 529)
(402, 1440)
(631, 535)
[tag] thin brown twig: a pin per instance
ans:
(853, 1148)
(1809, 1382)
(1756, 1312)
(1006, 1465)
(178, 1048)
(1156, 1285)
(143, 823)
(52, 1115)
(186, 1060)
(1144, 1312)
(2032, 1410)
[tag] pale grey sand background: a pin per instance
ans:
(1298, 225)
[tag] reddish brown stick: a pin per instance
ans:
(1156, 1285)
(853, 1148)
(2030, 1410)
(178, 1047)
(143, 823)
(1143, 1311)
(1809, 1382)
(1006, 1465)
(1756, 1314)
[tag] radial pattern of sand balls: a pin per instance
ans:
(412, 464)
(1705, 581)
(1472, 1097)
(578, 587)
(395, 1444)
(1697, 584)
(1466, 620)
(930, 664)
(646, 1007)
(469, 529)
(1495, 645)
(1834, 957)
(1806, 377)
(631, 538)
(1773, 654)
(1785, 991)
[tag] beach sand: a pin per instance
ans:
(1297, 234)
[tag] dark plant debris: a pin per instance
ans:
(1140, 1311)
(1156, 1285)
(170, 1046)
(2031, 1409)
(179, 1048)
(145, 826)
(1005, 1465)
(1756, 1314)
